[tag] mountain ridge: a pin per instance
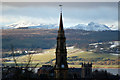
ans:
(92, 26)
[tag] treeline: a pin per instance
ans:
(45, 39)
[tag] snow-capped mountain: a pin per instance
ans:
(32, 26)
(90, 27)
(44, 26)
(20, 24)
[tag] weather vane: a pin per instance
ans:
(60, 8)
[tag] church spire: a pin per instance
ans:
(61, 22)
(61, 65)
(61, 29)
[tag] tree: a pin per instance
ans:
(18, 72)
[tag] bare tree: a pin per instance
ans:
(28, 62)
(13, 55)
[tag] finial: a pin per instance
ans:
(60, 8)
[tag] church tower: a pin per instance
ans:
(86, 70)
(61, 66)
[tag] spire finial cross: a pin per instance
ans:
(60, 8)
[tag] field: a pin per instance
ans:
(75, 58)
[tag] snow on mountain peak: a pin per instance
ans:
(91, 23)
(92, 26)
(20, 24)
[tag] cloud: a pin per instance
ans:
(65, 4)
(60, 1)
(34, 20)
(73, 13)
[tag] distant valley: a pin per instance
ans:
(99, 47)
(46, 38)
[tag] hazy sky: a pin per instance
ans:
(48, 13)
(60, 0)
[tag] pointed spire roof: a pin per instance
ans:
(61, 23)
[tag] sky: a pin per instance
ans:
(48, 13)
(60, 0)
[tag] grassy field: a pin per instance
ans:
(75, 58)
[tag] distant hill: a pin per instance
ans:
(92, 26)
(46, 38)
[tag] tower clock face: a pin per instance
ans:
(62, 66)
(56, 66)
